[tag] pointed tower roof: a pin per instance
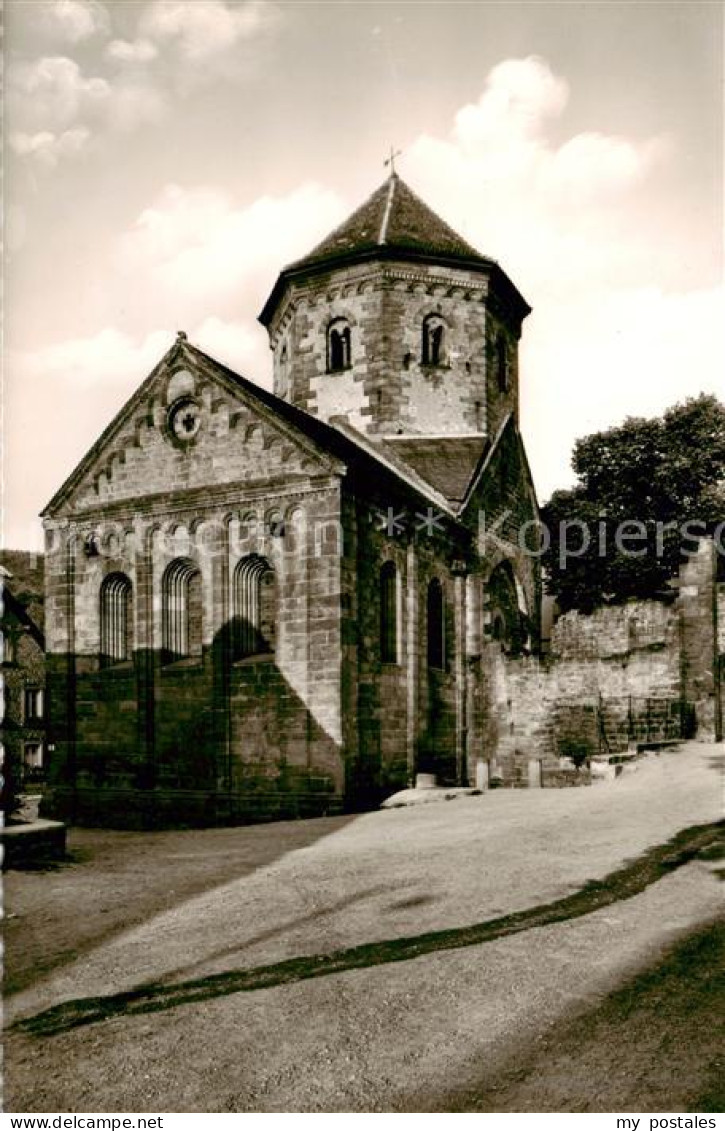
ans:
(393, 217)
(393, 223)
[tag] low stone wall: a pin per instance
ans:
(32, 844)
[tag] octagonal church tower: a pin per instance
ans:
(397, 324)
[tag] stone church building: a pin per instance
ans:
(270, 604)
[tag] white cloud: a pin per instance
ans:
(135, 51)
(206, 28)
(519, 95)
(82, 383)
(54, 108)
(136, 102)
(528, 202)
(200, 253)
(236, 344)
(73, 21)
(52, 93)
(109, 358)
(48, 148)
(612, 332)
(114, 363)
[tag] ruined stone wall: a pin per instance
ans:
(627, 673)
(619, 651)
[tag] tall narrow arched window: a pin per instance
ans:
(181, 610)
(116, 619)
(502, 364)
(338, 345)
(389, 614)
(254, 607)
(433, 345)
(282, 371)
(436, 625)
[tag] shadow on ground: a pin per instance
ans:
(655, 1044)
(624, 883)
(128, 885)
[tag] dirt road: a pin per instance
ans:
(422, 959)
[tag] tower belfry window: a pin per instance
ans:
(434, 340)
(338, 346)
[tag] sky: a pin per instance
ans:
(164, 159)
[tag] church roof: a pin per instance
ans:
(448, 463)
(338, 440)
(442, 471)
(394, 217)
(393, 223)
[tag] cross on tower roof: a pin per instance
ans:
(391, 159)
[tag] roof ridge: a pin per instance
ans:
(386, 214)
(408, 224)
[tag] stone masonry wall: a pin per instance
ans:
(699, 608)
(268, 728)
(639, 671)
(204, 738)
(408, 716)
(388, 389)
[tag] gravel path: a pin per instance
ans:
(376, 1039)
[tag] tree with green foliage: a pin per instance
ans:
(645, 491)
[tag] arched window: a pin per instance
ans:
(338, 346)
(116, 619)
(389, 614)
(502, 364)
(282, 375)
(181, 610)
(255, 607)
(434, 340)
(436, 625)
(506, 603)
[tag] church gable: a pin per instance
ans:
(192, 425)
(501, 497)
